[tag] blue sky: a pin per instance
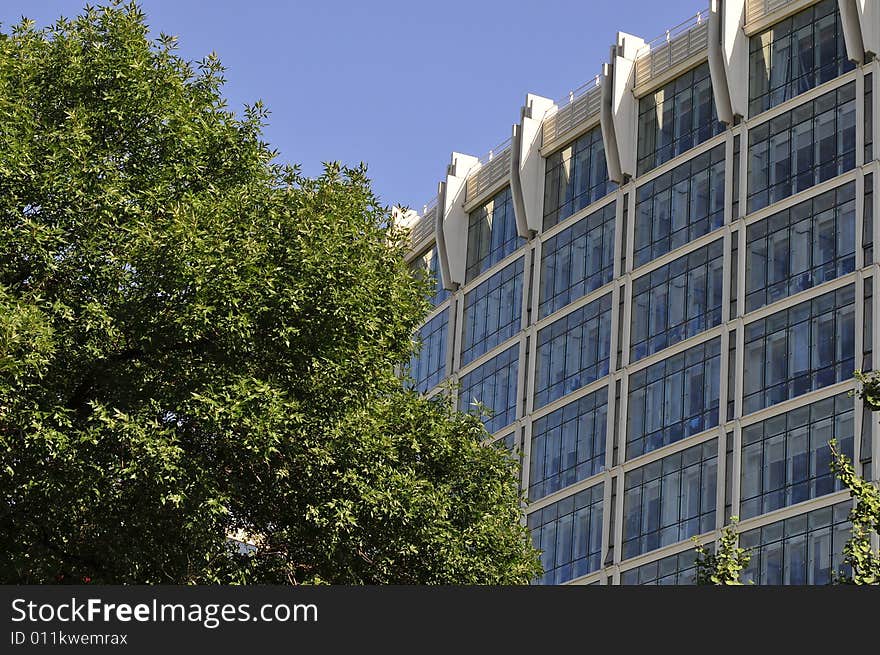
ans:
(396, 84)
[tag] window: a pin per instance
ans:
(577, 260)
(678, 569)
(786, 459)
(805, 549)
(677, 301)
(428, 364)
(800, 148)
(573, 351)
(679, 206)
(670, 500)
(428, 264)
(798, 248)
(569, 534)
(491, 234)
(674, 119)
(673, 399)
(492, 312)
(575, 177)
(568, 445)
(493, 385)
(800, 349)
(796, 55)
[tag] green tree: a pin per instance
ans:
(197, 341)
(725, 565)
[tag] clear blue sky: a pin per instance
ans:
(398, 84)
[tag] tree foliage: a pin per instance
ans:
(196, 341)
(725, 565)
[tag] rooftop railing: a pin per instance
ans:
(581, 104)
(494, 166)
(424, 226)
(757, 9)
(673, 47)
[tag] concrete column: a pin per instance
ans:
(620, 112)
(852, 30)
(452, 224)
(729, 59)
(527, 166)
(869, 22)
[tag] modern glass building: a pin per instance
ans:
(662, 285)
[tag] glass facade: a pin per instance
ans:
(800, 349)
(802, 147)
(679, 206)
(677, 301)
(493, 386)
(569, 535)
(492, 312)
(573, 351)
(675, 118)
(798, 248)
(755, 247)
(575, 177)
(491, 234)
(673, 399)
(568, 445)
(428, 264)
(428, 365)
(785, 459)
(796, 55)
(670, 500)
(803, 550)
(577, 260)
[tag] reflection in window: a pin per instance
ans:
(679, 206)
(569, 534)
(428, 264)
(800, 349)
(576, 176)
(428, 365)
(786, 459)
(803, 550)
(678, 569)
(577, 260)
(491, 234)
(568, 445)
(677, 301)
(670, 500)
(802, 147)
(795, 55)
(493, 385)
(798, 248)
(492, 312)
(673, 399)
(573, 351)
(674, 119)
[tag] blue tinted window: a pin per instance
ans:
(569, 535)
(677, 301)
(573, 351)
(575, 177)
(798, 248)
(492, 312)
(670, 500)
(492, 234)
(428, 264)
(795, 55)
(800, 349)
(674, 119)
(492, 384)
(568, 445)
(678, 569)
(679, 206)
(786, 459)
(802, 147)
(428, 364)
(673, 399)
(577, 260)
(804, 550)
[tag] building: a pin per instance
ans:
(662, 286)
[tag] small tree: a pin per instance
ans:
(724, 566)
